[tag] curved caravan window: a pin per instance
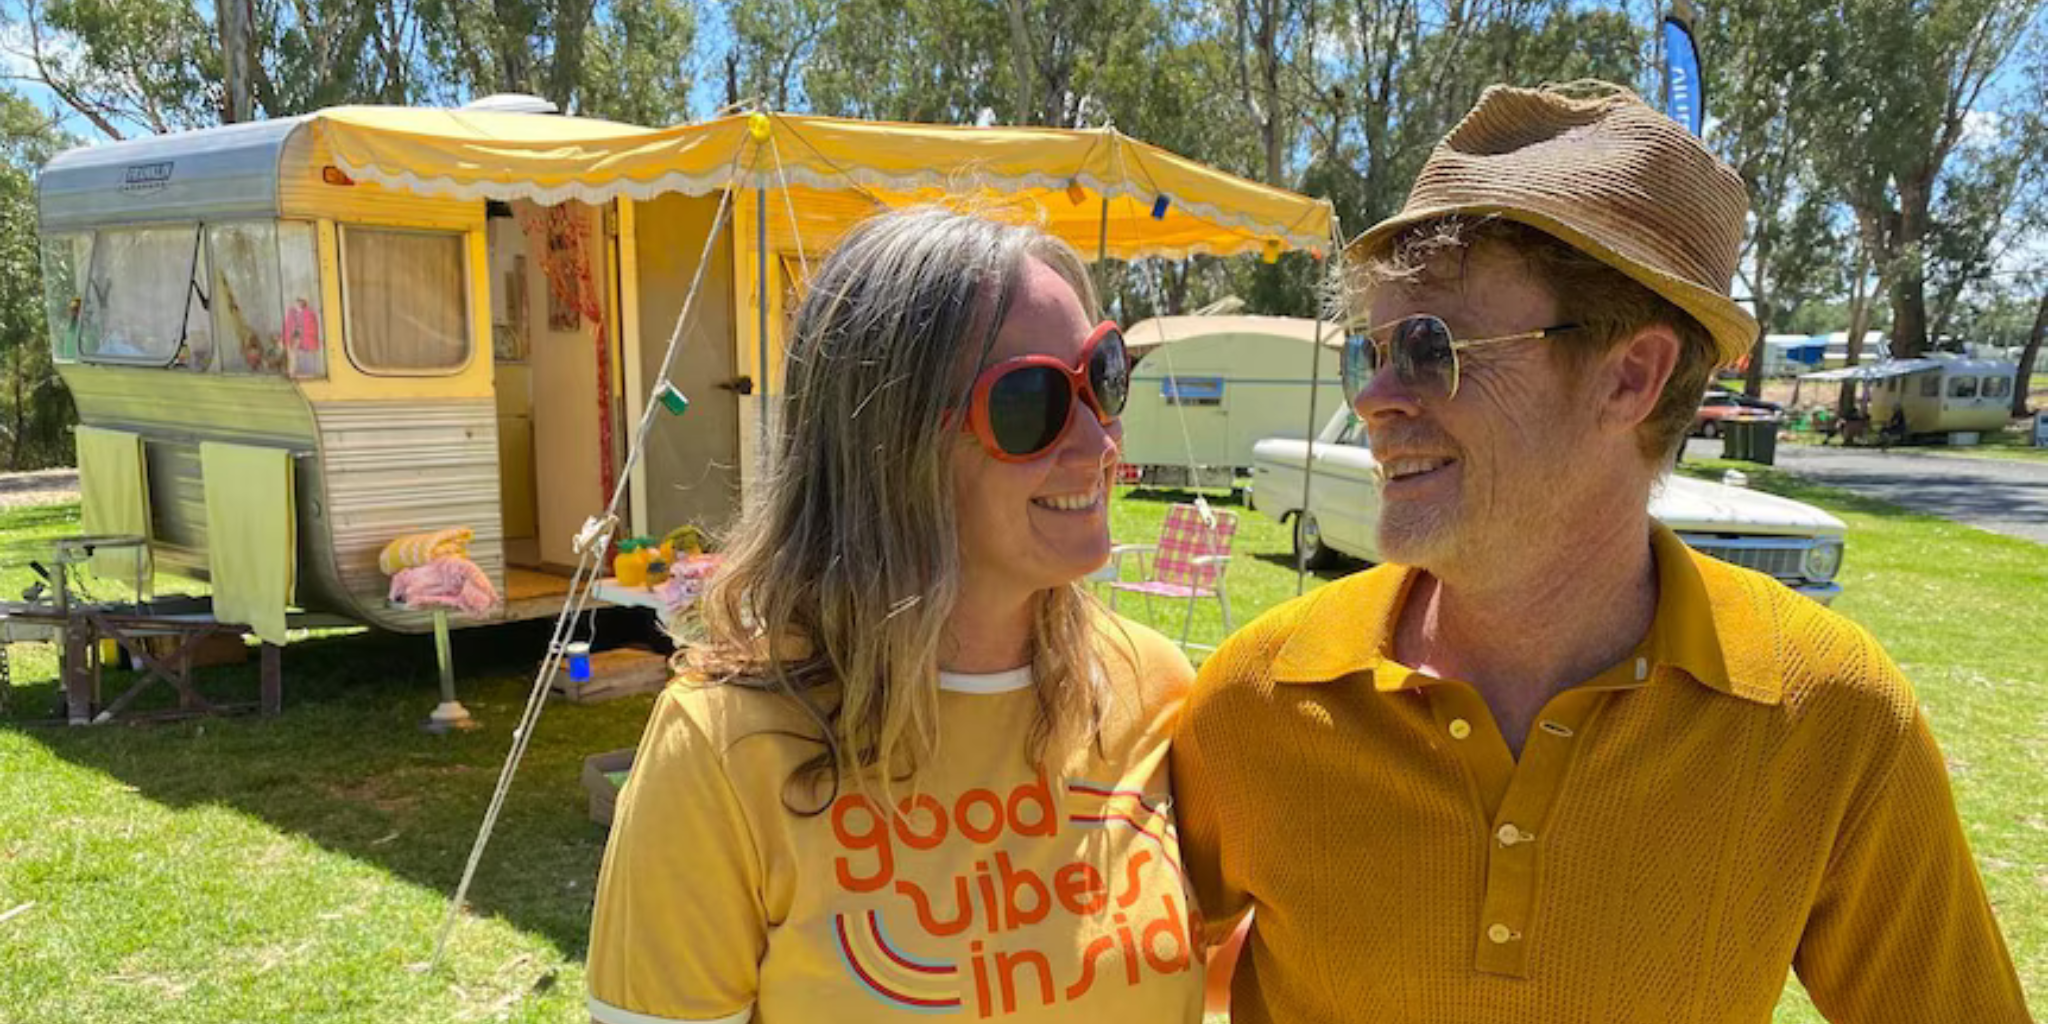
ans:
(134, 302)
(66, 259)
(235, 297)
(1962, 387)
(406, 297)
(1997, 387)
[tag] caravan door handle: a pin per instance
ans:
(740, 385)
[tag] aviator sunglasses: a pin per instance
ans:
(1021, 407)
(1424, 354)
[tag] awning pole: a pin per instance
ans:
(1308, 476)
(1102, 253)
(1315, 386)
(761, 307)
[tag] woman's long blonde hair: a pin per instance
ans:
(843, 570)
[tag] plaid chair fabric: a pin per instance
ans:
(1187, 563)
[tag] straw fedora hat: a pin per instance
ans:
(1605, 173)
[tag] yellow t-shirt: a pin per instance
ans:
(1000, 891)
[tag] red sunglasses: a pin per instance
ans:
(1021, 407)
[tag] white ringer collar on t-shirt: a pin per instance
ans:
(989, 682)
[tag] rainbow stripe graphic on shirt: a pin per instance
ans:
(891, 975)
(1128, 808)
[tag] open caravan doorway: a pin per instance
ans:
(571, 286)
(554, 339)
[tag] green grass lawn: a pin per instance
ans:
(243, 869)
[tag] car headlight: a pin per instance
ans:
(1822, 561)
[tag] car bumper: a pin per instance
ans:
(1825, 593)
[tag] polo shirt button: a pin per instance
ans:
(1500, 934)
(1509, 835)
(1460, 728)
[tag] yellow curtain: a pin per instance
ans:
(407, 300)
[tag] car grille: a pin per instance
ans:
(1783, 562)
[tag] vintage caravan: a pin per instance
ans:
(457, 318)
(1942, 395)
(1207, 388)
(1938, 394)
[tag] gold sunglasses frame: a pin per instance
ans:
(1382, 354)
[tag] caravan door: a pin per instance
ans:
(692, 461)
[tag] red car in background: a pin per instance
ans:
(1720, 405)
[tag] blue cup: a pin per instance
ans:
(579, 661)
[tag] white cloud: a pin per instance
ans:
(1982, 128)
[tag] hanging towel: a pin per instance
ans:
(114, 498)
(251, 539)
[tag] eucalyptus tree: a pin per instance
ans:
(642, 62)
(1904, 81)
(34, 408)
(1764, 80)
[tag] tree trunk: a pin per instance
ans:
(1860, 297)
(1753, 378)
(1177, 274)
(1021, 63)
(2031, 352)
(566, 76)
(234, 50)
(1262, 42)
(1909, 281)
(21, 418)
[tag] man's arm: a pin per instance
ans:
(1900, 929)
(1203, 788)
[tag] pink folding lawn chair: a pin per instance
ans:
(1187, 564)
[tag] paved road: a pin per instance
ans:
(40, 487)
(2000, 495)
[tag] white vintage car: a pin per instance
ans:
(1798, 544)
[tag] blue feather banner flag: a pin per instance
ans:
(1684, 94)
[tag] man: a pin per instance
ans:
(1548, 764)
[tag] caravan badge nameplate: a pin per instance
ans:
(145, 178)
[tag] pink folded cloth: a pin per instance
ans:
(449, 582)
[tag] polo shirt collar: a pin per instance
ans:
(1708, 625)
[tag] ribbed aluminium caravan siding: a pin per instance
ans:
(174, 412)
(397, 467)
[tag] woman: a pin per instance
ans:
(914, 767)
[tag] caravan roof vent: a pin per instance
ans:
(513, 103)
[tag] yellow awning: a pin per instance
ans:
(1097, 189)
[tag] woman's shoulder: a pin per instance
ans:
(1138, 658)
(719, 714)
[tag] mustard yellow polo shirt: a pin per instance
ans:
(1753, 789)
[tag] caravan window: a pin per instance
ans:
(66, 259)
(1930, 386)
(1962, 387)
(1997, 387)
(298, 278)
(1192, 390)
(265, 293)
(248, 320)
(136, 295)
(405, 300)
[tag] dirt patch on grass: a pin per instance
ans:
(385, 794)
(395, 792)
